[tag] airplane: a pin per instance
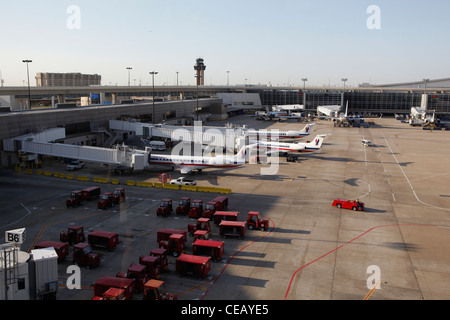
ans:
(282, 134)
(346, 118)
(433, 122)
(187, 164)
(311, 146)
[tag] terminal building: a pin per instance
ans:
(184, 104)
(45, 79)
(387, 98)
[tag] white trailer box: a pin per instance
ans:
(43, 274)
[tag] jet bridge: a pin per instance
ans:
(39, 143)
(206, 135)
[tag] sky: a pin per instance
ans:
(258, 42)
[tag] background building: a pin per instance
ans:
(67, 79)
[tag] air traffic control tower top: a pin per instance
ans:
(200, 72)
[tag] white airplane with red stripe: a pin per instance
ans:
(186, 164)
(281, 134)
(311, 146)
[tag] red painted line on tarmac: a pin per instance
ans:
(235, 254)
(348, 242)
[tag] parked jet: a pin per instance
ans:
(186, 164)
(281, 134)
(311, 146)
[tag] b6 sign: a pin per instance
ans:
(15, 236)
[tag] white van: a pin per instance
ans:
(158, 145)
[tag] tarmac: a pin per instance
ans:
(397, 249)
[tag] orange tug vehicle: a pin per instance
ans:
(152, 265)
(118, 195)
(165, 208)
(83, 256)
(161, 254)
(354, 205)
(138, 273)
(196, 209)
(106, 201)
(183, 206)
(202, 224)
(74, 235)
(254, 221)
(75, 199)
(155, 290)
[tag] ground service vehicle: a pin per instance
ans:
(222, 203)
(175, 244)
(112, 294)
(118, 195)
(232, 229)
(155, 290)
(75, 199)
(165, 208)
(202, 224)
(225, 216)
(354, 205)
(210, 209)
(182, 181)
(74, 235)
(83, 256)
(138, 273)
(197, 266)
(152, 265)
(62, 249)
(201, 234)
(75, 165)
(213, 249)
(103, 239)
(91, 193)
(254, 221)
(184, 206)
(105, 201)
(157, 145)
(105, 283)
(165, 233)
(196, 209)
(162, 258)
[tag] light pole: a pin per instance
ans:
(129, 69)
(343, 80)
(177, 78)
(28, 75)
(304, 89)
(153, 95)
(198, 76)
(228, 78)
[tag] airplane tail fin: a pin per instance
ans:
(241, 156)
(307, 128)
(317, 142)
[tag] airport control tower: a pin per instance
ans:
(200, 72)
